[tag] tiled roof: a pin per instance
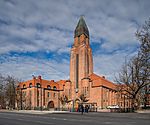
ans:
(101, 81)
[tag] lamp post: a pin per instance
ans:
(41, 98)
(58, 101)
(41, 90)
(73, 105)
(21, 98)
(37, 95)
(124, 103)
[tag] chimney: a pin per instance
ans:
(52, 80)
(103, 77)
(39, 77)
(33, 77)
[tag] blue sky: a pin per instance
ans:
(36, 35)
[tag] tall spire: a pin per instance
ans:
(81, 28)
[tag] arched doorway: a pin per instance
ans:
(50, 105)
(76, 103)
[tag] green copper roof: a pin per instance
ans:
(81, 28)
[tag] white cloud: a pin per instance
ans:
(115, 21)
(25, 67)
(110, 65)
(35, 25)
(31, 39)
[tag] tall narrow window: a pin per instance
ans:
(85, 90)
(48, 87)
(48, 94)
(88, 63)
(69, 93)
(77, 69)
(55, 88)
(24, 86)
(30, 85)
(30, 93)
(78, 40)
(38, 85)
(38, 102)
(54, 95)
(38, 93)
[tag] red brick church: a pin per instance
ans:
(83, 86)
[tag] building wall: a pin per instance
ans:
(34, 97)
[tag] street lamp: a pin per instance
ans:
(21, 98)
(124, 103)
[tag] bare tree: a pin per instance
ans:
(28, 101)
(64, 100)
(2, 92)
(18, 98)
(2, 97)
(10, 91)
(135, 75)
(7, 91)
(143, 35)
(134, 82)
(83, 98)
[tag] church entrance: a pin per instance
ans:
(50, 105)
(92, 106)
(76, 105)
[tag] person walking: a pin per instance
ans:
(86, 108)
(82, 109)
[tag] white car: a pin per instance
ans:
(113, 107)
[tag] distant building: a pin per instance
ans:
(83, 86)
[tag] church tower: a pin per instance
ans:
(81, 61)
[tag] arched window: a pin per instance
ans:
(48, 94)
(30, 85)
(38, 85)
(54, 88)
(49, 87)
(24, 86)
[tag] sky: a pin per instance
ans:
(36, 35)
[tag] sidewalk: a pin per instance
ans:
(46, 112)
(143, 111)
(34, 111)
(64, 112)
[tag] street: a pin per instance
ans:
(14, 118)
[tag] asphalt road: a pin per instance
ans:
(11, 118)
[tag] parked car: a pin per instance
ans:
(113, 107)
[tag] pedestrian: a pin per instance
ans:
(79, 108)
(86, 108)
(82, 109)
